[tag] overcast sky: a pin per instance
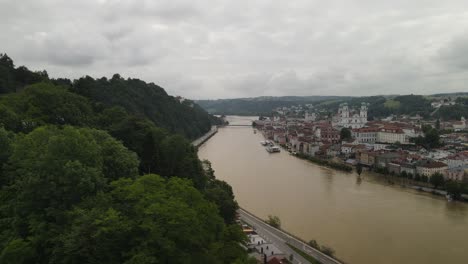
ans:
(223, 49)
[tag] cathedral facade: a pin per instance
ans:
(350, 118)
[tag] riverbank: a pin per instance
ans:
(326, 163)
(199, 141)
(415, 185)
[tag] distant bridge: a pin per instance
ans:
(240, 125)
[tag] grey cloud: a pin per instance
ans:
(455, 53)
(204, 49)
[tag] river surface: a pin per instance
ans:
(365, 221)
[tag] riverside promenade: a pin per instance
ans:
(199, 141)
(280, 238)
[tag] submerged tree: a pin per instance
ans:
(359, 169)
(274, 221)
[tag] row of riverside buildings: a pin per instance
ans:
(374, 144)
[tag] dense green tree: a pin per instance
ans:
(327, 250)
(57, 203)
(345, 134)
(453, 112)
(313, 243)
(359, 169)
(274, 221)
(147, 100)
(18, 251)
(178, 224)
(431, 138)
(454, 189)
(52, 169)
(42, 104)
(220, 193)
(437, 179)
(6, 148)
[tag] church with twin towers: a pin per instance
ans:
(350, 118)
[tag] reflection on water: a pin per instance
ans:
(365, 221)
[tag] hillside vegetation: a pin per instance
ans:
(258, 105)
(82, 181)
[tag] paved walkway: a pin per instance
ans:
(280, 238)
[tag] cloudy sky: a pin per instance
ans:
(242, 48)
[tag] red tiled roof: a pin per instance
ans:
(433, 164)
(274, 260)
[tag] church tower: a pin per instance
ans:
(344, 110)
(363, 112)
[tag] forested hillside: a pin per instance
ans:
(87, 182)
(137, 97)
(147, 100)
(258, 105)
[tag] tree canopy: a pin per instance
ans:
(90, 181)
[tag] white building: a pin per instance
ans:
(350, 119)
(430, 167)
(391, 135)
(457, 174)
(459, 159)
(365, 134)
(460, 125)
(310, 116)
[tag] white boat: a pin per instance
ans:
(263, 143)
(448, 197)
(273, 149)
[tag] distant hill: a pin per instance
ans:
(379, 106)
(259, 105)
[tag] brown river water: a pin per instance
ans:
(365, 221)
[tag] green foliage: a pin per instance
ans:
(359, 169)
(345, 134)
(42, 104)
(314, 244)
(328, 163)
(259, 105)
(52, 169)
(327, 250)
(70, 193)
(463, 100)
(147, 100)
(454, 189)
(453, 112)
(220, 193)
(159, 152)
(274, 221)
(303, 254)
(17, 251)
(437, 179)
(431, 138)
(180, 226)
(12, 79)
(6, 147)
(392, 104)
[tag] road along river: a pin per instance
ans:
(365, 221)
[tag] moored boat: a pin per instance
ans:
(273, 149)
